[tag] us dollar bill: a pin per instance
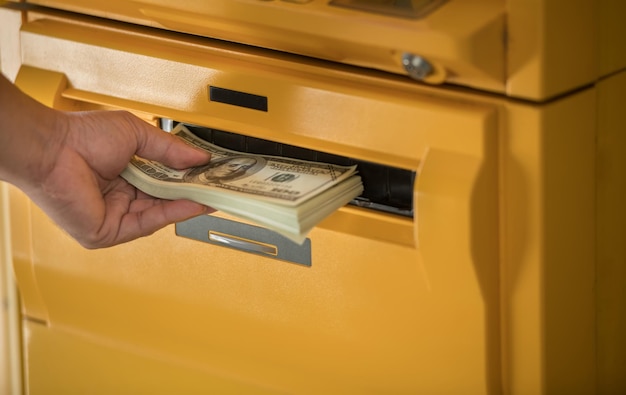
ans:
(281, 180)
(289, 196)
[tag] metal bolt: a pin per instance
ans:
(417, 67)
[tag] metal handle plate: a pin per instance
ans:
(245, 238)
(242, 244)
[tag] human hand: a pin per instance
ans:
(81, 189)
(69, 165)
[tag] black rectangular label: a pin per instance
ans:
(236, 98)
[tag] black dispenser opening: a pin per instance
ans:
(386, 189)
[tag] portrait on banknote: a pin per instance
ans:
(225, 169)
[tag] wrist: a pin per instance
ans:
(31, 136)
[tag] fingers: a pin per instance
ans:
(129, 214)
(150, 216)
(154, 144)
(146, 216)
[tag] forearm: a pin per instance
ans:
(30, 136)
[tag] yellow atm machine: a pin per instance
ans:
(485, 256)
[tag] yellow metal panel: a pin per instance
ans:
(535, 50)
(462, 40)
(44, 87)
(611, 272)
(304, 94)
(611, 36)
(22, 254)
(10, 328)
(548, 244)
(365, 317)
(570, 245)
(552, 47)
(555, 46)
(371, 314)
(67, 363)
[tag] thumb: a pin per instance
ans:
(160, 146)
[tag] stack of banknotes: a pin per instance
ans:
(289, 196)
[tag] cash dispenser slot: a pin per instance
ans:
(386, 189)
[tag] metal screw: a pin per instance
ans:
(416, 66)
